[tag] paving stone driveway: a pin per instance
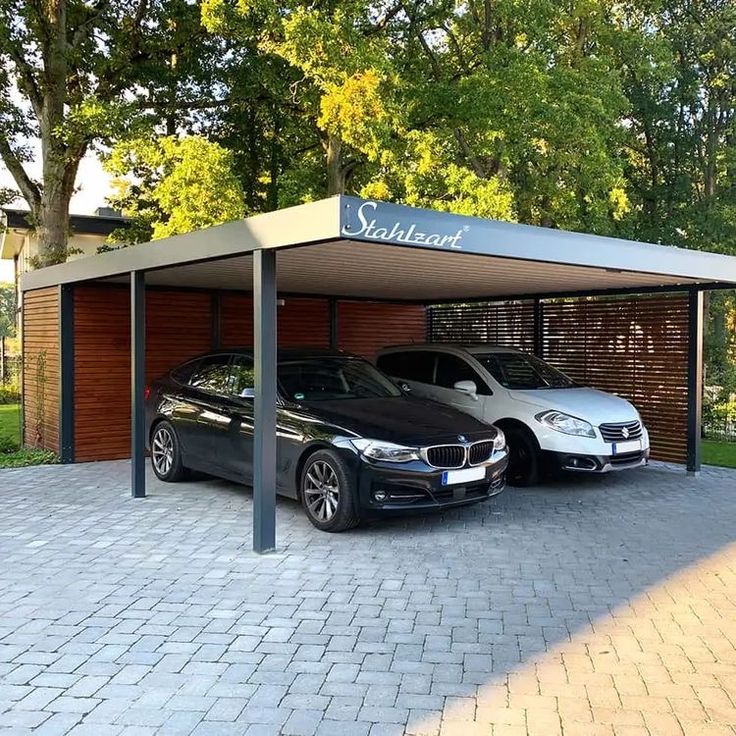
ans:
(604, 606)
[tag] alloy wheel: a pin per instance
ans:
(321, 490)
(162, 451)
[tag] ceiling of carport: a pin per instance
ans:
(373, 270)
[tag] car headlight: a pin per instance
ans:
(385, 451)
(499, 443)
(566, 424)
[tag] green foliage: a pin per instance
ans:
(9, 427)
(722, 454)
(173, 185)
(7, 310)
(9, 393)
(25, 457)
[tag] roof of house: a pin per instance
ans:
(17, 222)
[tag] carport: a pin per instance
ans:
(356, 274)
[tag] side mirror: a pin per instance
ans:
(467, 387)
(248, 393)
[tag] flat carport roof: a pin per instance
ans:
(355, 248)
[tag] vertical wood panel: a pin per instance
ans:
(41, 373)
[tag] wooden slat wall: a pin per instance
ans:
(634, 347)
(366, 327)
(178, 327)
(101, 373)
(301, 322)
(509, 324)
(40, 334)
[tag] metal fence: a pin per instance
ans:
(720, 427)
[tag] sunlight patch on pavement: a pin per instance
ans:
(663, 664)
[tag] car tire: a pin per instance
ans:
(524, 458)
(329, 493)
(166, 456)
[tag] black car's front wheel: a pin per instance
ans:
(524, 458)
(166, 456)
(329, 493)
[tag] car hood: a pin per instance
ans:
(403, 419)
(596, 407)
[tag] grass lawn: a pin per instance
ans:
(10, 422)
(10, 454)
(719, 453)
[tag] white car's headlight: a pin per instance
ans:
(385, 451)
(500, 442)
(566, 424)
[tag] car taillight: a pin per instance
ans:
(147, 393)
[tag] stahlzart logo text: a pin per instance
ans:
(399, 232)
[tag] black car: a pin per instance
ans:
(351, 443)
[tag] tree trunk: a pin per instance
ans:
(52, 218)
(335, 172)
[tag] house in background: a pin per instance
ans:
(18, 240)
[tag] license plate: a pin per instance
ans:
(621, 448)
(466, 475)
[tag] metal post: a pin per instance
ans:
(66, 387)
(137, 383)
(538, 327)
(694, 379)
(264, 354)
(334, 339)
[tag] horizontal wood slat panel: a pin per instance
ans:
(364, 328)
(635, 347)
(178, 327)
(41, 358)
(508, 324)
(101, 373)
(300, 322)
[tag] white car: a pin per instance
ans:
(549, 420)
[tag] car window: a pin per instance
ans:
(182, 373)
(243, 377)
(325, 379)
(212, 374)
(413, 365)
(452, 368)
(519, 372)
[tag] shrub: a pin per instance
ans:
(8, 444)
(10, 393)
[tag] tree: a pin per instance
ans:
(174, 185)
(7, 310)
(75, 72)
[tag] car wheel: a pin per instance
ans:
(166, 456)
(329, 493)
(524, 458)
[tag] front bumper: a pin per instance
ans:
(386, 488)
(578, 463)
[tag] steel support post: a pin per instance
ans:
(264, 354)
(66, 381)
(694, 379)
(137, 383)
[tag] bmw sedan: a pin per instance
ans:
(352, 445)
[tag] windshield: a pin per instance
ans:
(328, 379)
(519, 372)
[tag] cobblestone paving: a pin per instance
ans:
(601, 606)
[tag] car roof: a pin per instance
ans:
(472, 348)
(286, 353)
